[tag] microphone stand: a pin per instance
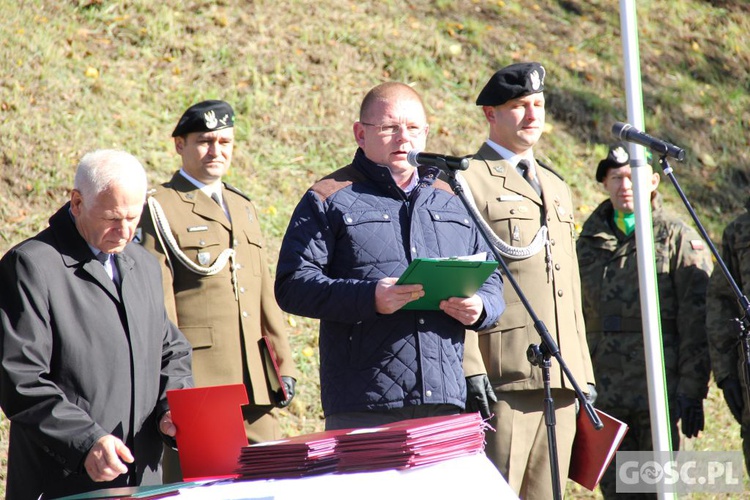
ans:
(742, 324)
(538, 355)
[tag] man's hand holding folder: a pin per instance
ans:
(449, 284)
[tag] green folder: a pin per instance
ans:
(445, 278)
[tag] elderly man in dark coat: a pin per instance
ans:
(87, 352)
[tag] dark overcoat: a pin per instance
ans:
(80, 358)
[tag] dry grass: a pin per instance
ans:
(84, 74)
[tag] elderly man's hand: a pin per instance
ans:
(166, 426)
(104, 461)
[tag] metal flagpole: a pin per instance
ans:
(641, 172)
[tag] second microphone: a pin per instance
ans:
(416, 158)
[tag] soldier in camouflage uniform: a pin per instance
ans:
(611, 306)
(721, 308)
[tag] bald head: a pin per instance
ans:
(387, 92)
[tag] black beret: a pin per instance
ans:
(511, 82)
(617, 157)
(204, 117)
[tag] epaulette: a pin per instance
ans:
(550, 169)
(236, 191)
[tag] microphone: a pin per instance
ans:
(628, 133)
(416, 158)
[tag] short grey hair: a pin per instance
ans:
(99, 170)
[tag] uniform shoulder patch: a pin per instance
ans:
(547, 167)
(236, 191)
(697, 244)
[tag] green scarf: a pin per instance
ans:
(625, 222)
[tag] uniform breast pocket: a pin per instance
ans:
(200, 247)
(515, 222)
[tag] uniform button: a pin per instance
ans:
(559, 293)
(557, 267)
(512, 210)
(552, 242)
(242, 289)
(549, 218)
(413, 249)
(386, 217)
(437, 216)
(349, 220)
(201, 242)
(244, 314)
(235, 242)
(428, 394)
(238, 266)
(466, 221)
(421, 321)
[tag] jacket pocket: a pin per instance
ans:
(201, 247)
(200, 337)
(504, 348)
(515, 222)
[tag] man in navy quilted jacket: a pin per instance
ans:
(351, 236)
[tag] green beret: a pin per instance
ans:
(204, 117)
(617, 157)
(511, 82)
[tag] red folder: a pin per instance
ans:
(210, 429)
(411, 443)
(401, 445)
(594, 450)
(297, 456)
(271, 367)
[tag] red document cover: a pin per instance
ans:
(210, 429)
(401, 445)
(273, 374)
(593, 450)
(411, 443)
(297, 456)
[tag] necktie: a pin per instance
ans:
(109, 265)
(215, 196)
(527, 171)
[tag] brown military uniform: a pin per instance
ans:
(222, 321)
(550, 282)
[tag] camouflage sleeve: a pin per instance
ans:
(722, 305)
(691, 270)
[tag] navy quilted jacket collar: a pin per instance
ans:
(380, 176)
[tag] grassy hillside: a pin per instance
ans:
(84, 74)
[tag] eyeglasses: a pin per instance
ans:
(388, 129)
